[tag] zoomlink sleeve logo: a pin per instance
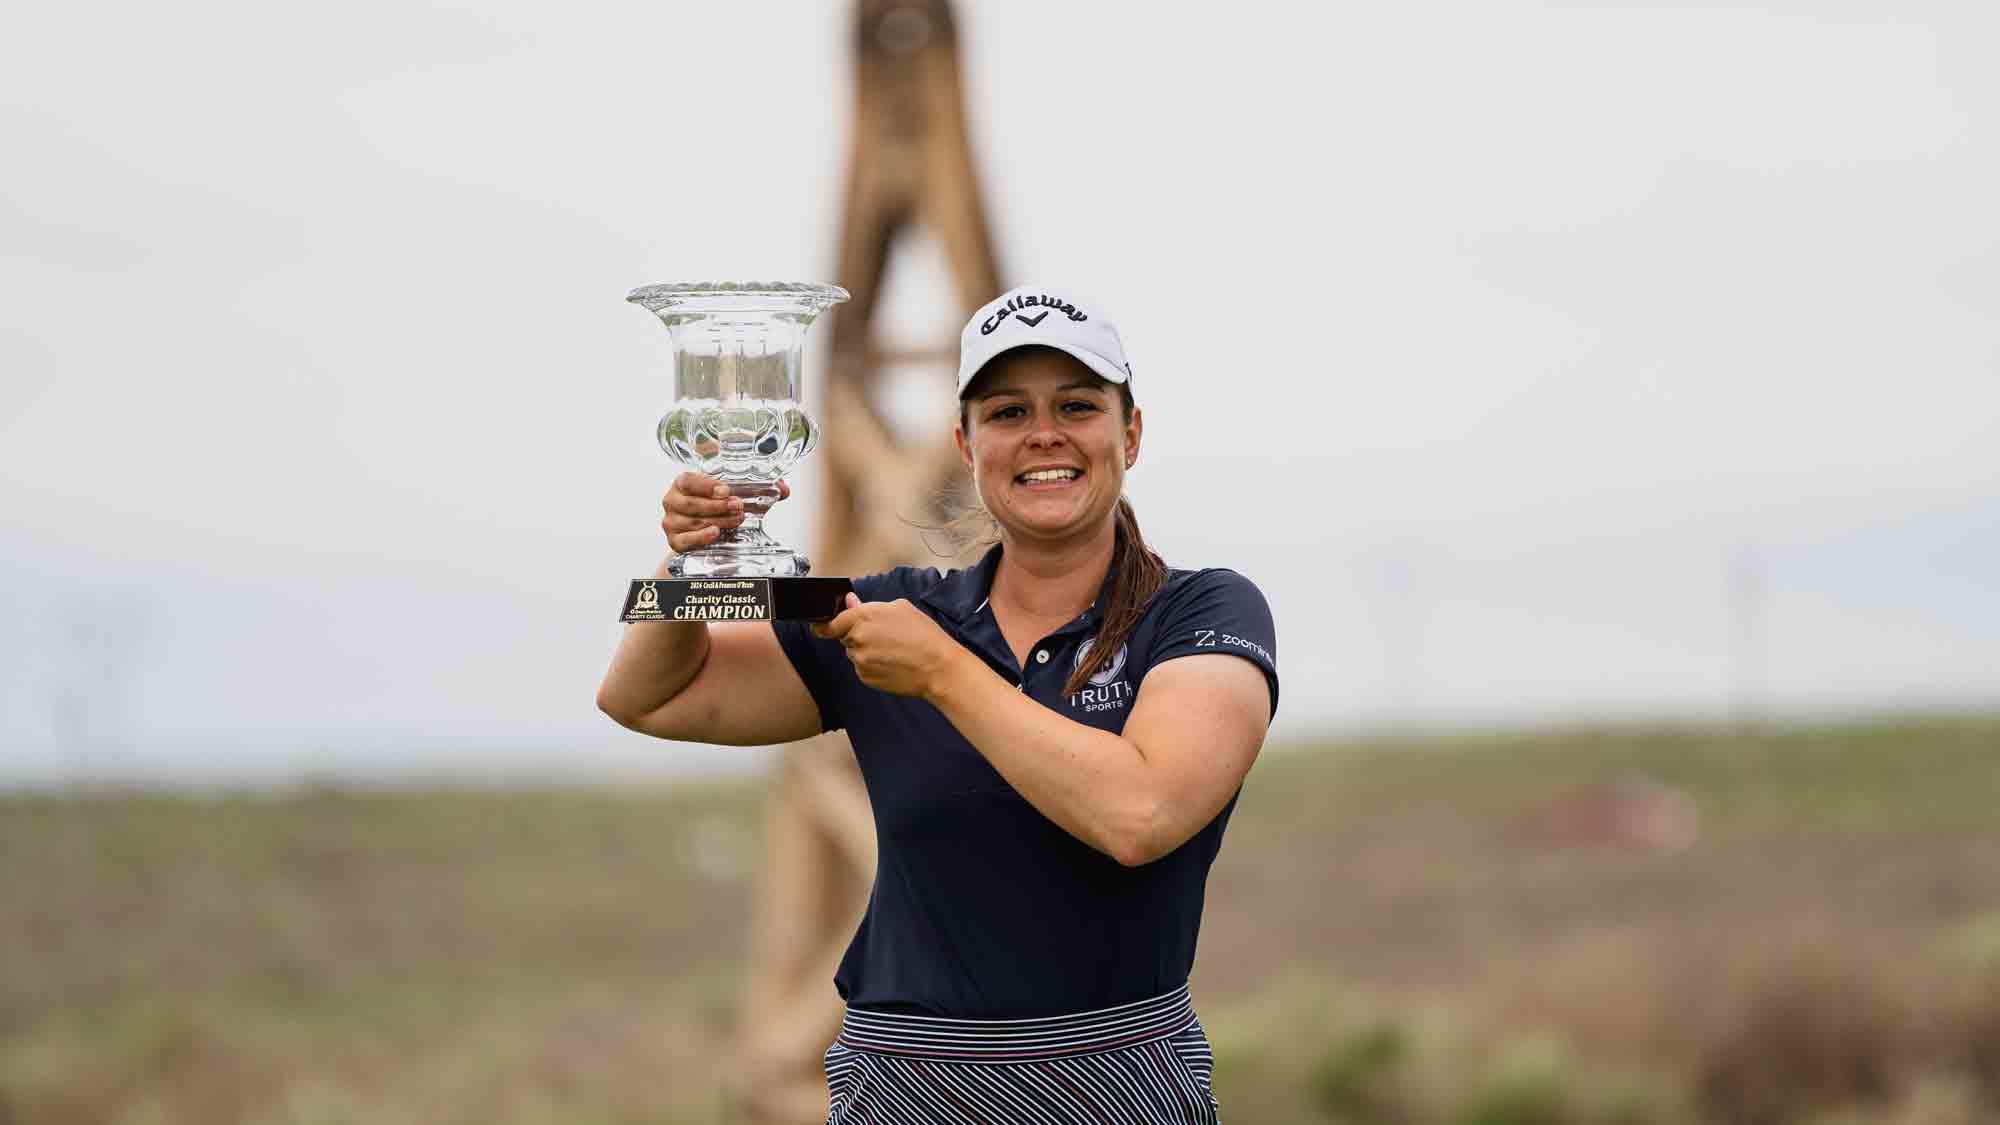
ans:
(1209, 638)
(1042, 301)
(1106, 691)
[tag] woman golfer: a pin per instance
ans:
(1052, 742)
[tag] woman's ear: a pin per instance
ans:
(964, 450)
(1135, 428)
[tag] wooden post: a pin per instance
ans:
(910, 162)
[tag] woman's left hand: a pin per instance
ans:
(893, 646)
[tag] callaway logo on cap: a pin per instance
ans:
(1033, 314)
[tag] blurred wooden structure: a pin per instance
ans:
(910, 164)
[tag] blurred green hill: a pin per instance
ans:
(1658, 924)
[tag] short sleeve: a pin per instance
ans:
(822, 663)
(1218, 611)
(813, 659)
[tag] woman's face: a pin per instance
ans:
(1048, 444)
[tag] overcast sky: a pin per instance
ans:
(1539, 361)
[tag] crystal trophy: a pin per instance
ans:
(737, 415)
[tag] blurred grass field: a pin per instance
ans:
(1456, 930)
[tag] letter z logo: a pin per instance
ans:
(1032, 321)
(1204, 638)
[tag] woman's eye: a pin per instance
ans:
(1079, 406)
(1004, 413)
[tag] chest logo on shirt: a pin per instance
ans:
(1106, 691)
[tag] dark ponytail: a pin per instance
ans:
(1137, 574)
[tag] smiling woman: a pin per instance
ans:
(1053, 742)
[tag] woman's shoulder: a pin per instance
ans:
(1208, 581)
(1213, 597)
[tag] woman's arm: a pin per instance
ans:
(729, 683)
(1195, 729)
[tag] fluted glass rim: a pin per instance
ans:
(728, 294)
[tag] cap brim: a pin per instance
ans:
(1099, 366)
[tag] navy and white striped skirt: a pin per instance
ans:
(1145, 1062)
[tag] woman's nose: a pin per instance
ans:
(1044, 433)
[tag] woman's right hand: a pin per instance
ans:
(698, 507)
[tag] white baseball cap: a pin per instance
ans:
(1035, 314)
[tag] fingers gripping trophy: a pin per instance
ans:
(737, 419)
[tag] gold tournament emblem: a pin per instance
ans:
(648, 600)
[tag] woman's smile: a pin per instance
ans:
(1053, 478)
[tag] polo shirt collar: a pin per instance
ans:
(964, 593)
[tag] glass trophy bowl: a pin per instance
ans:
(737, 413)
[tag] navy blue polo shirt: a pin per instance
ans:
(983, 907)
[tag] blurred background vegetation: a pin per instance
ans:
(1615, 925)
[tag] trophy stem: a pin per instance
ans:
(747, 535)
(757, 498)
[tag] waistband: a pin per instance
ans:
(1017, 1040)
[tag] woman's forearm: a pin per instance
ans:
(653, 662)
(1091, 783)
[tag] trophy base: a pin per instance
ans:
(716, 599)
(757, 561)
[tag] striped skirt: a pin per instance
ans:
(1145, 1062)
